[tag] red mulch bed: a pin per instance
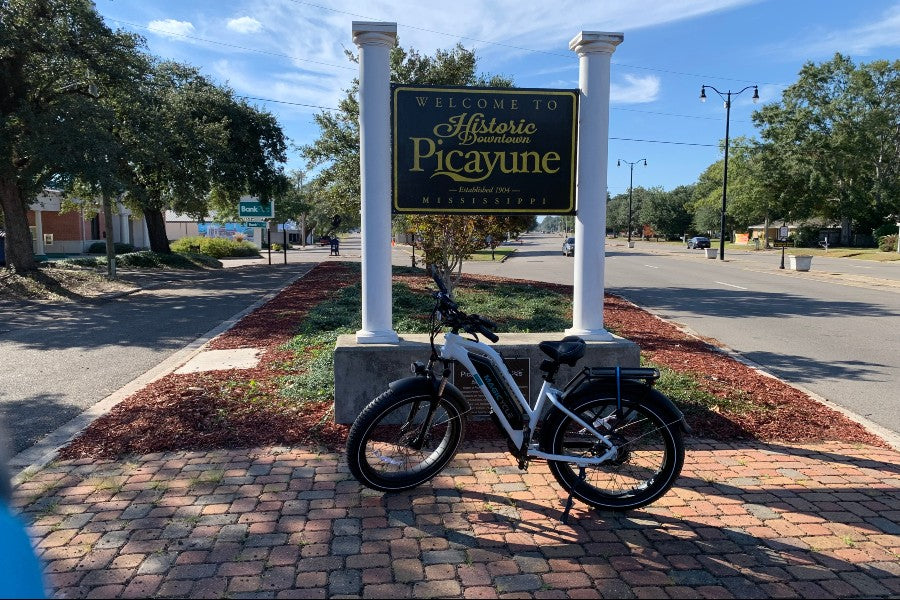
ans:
(232, 409)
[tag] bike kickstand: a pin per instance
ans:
(569, 502)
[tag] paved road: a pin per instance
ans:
(59, 359)
(833, 330)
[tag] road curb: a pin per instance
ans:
(32, 459)
(890, 438)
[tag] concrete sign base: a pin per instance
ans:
(363, 371)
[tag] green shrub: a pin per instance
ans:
(807, 236)
(147, 259)
(276, 246)
(888, 243)
(100, 248)
(215, 247)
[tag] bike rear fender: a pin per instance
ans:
(633, 390)
(418, 384)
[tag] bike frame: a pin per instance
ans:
(457, 348)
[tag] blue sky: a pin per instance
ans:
(293, 51)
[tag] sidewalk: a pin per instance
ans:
(744, 520)
(748, 521)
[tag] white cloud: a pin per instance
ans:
(244, 25)
(171, 28)
(309, 91)
(863, 39)
(635, 90)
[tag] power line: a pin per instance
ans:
(286, 102)
(667, 114)
(612, 138)
(664, 142)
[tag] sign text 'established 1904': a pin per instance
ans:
(483, 150)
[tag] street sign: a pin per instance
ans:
(252, 208)
(783, 232)
(262, 224)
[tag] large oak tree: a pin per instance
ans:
(835, 135)
(54, 57)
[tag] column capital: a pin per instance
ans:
(590, 42)
(374, 33)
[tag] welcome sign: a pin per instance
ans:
(483, 150)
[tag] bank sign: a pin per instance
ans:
(483, 150)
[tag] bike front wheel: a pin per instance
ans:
(650, 453)
(400, 441)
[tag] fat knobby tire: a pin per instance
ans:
(362, 431)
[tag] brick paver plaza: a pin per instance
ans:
(745, 520)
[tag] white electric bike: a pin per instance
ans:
(610, 439)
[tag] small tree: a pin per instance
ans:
(447, 240)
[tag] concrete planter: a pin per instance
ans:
(362, 371)
(800, 262)
(711, 252)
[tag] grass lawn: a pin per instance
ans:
(500, 253)
(833, 252)
(860, 253)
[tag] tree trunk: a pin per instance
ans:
(156, 229)
(845, 231)
(110, 242)
(19, 247)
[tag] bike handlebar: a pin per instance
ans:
(458, 319)
(482, 328)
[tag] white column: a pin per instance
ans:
(39, 234)
(124, 236)
(594, 51)
(375, 41)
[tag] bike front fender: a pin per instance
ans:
(418, 384)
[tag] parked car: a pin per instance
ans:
(568, 247)
(698, 242)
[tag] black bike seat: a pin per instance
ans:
(567, 351)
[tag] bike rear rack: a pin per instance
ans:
(647, 375)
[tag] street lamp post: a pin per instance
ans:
(630, 187)
(727, 98)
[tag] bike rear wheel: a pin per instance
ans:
(394, 445)
(650, 453)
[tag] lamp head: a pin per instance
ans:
(645, 162)
(755, 94)
(619, 163)
(702, 93)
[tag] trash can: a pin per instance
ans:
(335, 247)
